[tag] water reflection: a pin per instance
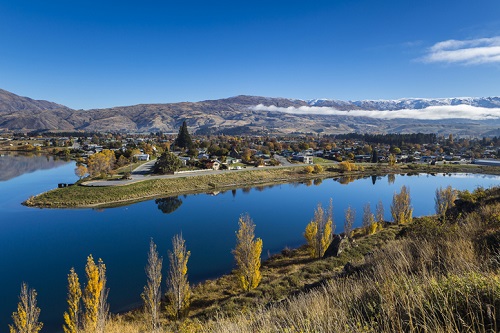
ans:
(168, 205)
(13, 165)
(318, 181)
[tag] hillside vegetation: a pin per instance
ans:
(436, 274)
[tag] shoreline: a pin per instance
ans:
(105, 197)
(112, 196)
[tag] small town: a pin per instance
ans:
(229, 152)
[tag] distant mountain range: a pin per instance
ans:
(262, 115)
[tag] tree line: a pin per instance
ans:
(391, 139)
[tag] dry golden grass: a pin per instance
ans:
(445, 284)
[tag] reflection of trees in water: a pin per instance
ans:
(318, 181)
(344, 180)
(391, 178)
(14, 165)
(374, 179)
(168, 205)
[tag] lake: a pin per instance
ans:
(40, 246)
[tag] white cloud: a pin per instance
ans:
(430, 113)
(469, 52)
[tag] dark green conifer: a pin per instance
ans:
(374, 158)
(183, 138)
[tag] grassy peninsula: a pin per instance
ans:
(90, 196)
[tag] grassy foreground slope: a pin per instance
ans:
(433, 275)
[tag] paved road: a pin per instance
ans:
(143, 172)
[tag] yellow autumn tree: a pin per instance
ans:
(350, 216)
(401, 209)
(445, 199)
(81, 171)
(247, 254)
(308, 169)
(101, 163)
(177, 283)
(319, 232)
(26, 317)
(369, 224)
(94, 296)
(152, 291)
(318, 168)
(391, 160)
(71, 318)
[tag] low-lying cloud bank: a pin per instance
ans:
(430, 113)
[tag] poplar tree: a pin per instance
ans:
(379, 214)
(71, 318)
(319, 232)
(445, 199)
(401, 209)
(152, 291)
(103, 309)
(26, 317)
(94, 296)
(369, 223)
(350, 216)
(247, 254)
(177, 283)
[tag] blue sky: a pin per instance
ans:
(90, 54)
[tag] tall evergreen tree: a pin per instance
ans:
(183, 138)
(374, 158)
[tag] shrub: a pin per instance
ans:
(318, 168)
(309, 169)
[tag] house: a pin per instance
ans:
(184, 160)
(203, 156)
(232, 160)
(142, 157)
(362, 158)
(212, 164)
(303, 159)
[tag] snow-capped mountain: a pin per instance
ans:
(407, 103)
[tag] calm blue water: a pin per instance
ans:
(39, 246)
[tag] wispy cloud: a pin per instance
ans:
(430, 113)
(468, 52)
